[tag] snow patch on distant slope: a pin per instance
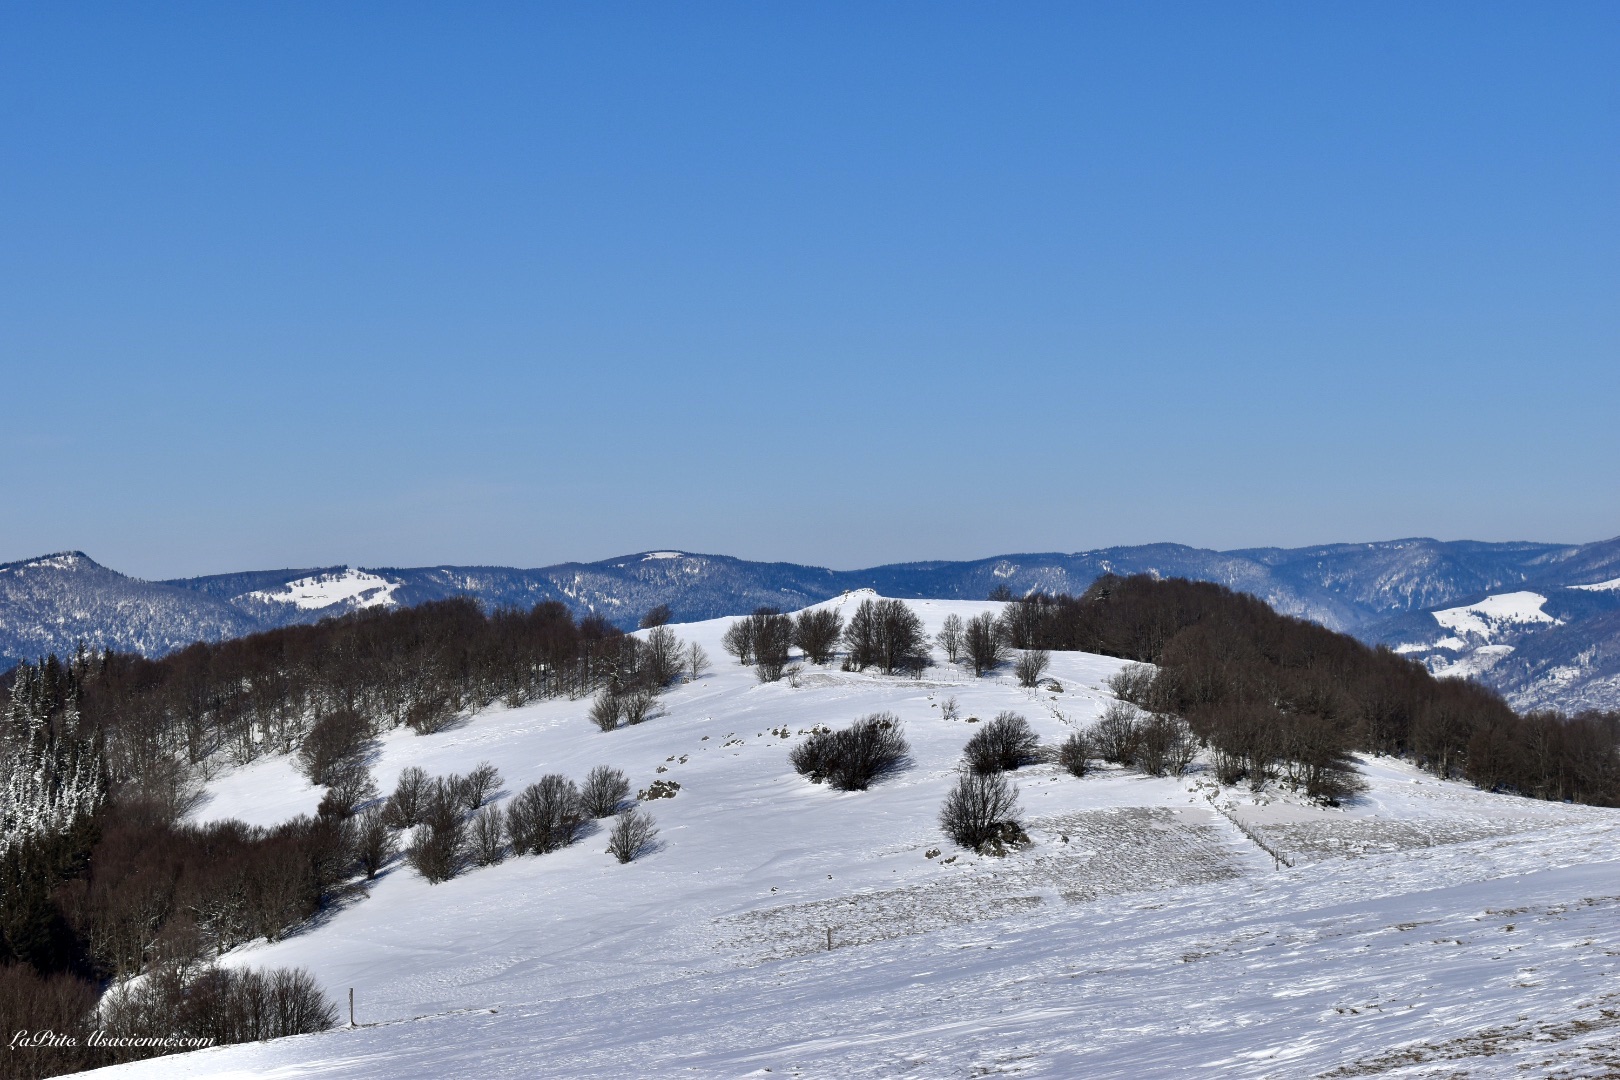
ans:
(66, 560)
(1470, 665)
(651, 555)
(1495, 614)
(1612, 585)
(355, 587)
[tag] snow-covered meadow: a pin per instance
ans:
(1425, 929)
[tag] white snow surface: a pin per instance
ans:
(1424, 929)
(1471, 664)
(354, 587)
(1494, 614)
(1611, 585)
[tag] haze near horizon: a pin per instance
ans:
(299, 286)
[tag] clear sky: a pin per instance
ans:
(292, 284)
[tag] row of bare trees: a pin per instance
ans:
(882, 634)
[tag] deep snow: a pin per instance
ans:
(1425, 929)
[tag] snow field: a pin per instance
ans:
(1142, 935)
(357, 588)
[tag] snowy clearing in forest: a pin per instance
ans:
(1495, 613)
(357, 587)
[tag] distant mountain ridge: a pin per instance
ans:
(1393, 592)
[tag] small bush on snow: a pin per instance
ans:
(851, 759)
(632, 835)
(1006, 742)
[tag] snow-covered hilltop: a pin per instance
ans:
(1154, 928)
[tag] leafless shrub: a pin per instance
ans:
(604, 790)
(405, 805)
(978, 809)
(639, 702)
(374, 842)
(1031, 665)
(607, 709)
(852, 758)
(739, 641)
(480, 784)
(1164, 746)
(948, 709)
(1134, 683)
(772, 637)
(981, 639)
(58, 1003)
(1317, 754)
(1116, 734)
(349, 788)
(662, 658)
(438, 845)
(632, 835)
(545, 816)
(223, 1005)
(886, 634)
(950, 638)
(696, 661)
(1006, 742)
(1074, 754)
(333, 745)
(816, 631)
(432, 712)
(487, 837)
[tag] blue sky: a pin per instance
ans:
(300, 284)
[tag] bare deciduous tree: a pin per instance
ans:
(851, 759)
(638, 702)
(438, 846)
(739, 641)
(1115, 735)
(657, 615)
(1163, 745)
(696, 661)
(480, 784)
(1074, 754)
(978, 809)
(607, 708)
(772, 637)
(1133, 683)
(406, 804)
(816, 631)
(886, 634)
(336, 741)
(1006, 742)
(487, 837)
(374, 842)
(661, 658)
(949, 637)
(347, 789)
(1031, 665)
(632, 835)
(605, 788)
(545, 816)
(982, 642)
